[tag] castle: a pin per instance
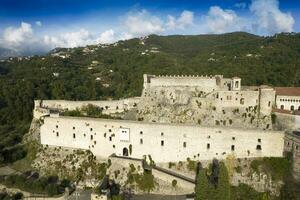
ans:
(176, 117)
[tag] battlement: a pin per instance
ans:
(187, 76)
(206, 83)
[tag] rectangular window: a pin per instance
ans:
(73, 127)
(208, 146)
(258, 140)
(232, 147)
(233, 138)
(110, 138)
(57, 134)
(141, 132)
(56, 126)
(258, 147)
(184, 144)
(95, 142)
(91, 129)
(74, 136)
(162, 143)
(162, 134)
(141, 141)
(92, 137)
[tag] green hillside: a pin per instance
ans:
(115, 71)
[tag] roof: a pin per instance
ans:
(288, 91)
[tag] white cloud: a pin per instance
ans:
(38, 23)
(186, 19)
(269, 17)
(142, 23)
(69, 39)
(14, 36)
(220, 21)
(107, 37)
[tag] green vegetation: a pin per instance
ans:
(278, 168)
(43, 185)
(6, 196)
(144, 181)
(213, 183)
(209, 186)
(88, 111)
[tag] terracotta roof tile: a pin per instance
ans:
(288, 91)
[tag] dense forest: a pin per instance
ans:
(115, 71)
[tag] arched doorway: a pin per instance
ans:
(125, 151)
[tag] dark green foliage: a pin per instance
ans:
(278, 168)
(205, 189)
(214, 184)
(245, 192)
(43, 185)
(274, 117)
(6, 196)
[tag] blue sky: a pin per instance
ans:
(32, 26)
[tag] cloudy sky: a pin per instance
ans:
(34, 26)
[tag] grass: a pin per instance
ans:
(25, 163)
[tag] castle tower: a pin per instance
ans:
(266, 99)
(235, 84)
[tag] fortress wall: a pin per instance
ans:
(112, 106)
(108, 139)
(287, 121)
(237, 98)
(204, 82)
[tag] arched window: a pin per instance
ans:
(282, 107)
(236, 84)
(292, 107)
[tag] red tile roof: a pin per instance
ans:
(288, 91)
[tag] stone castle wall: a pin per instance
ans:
(164, 142)
(109, 106)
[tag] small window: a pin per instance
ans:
(258, 140)
(292, 108)
(91, 129)
(141, 132)
(95, 142)
(84, 135)
(162, 134)
(208, 136)
(114, 146)
(269, 104)
(232, 147)
(74, 136)
(208, 146)
(184, 144)
(162, 143)
(73, 127)
(57, 134)
(56, 126)
(233, 138)
(258, 147)
(282, 107)
(92, 137)
(141, 141)
(110, 138)
(109, 130)
(299, 108)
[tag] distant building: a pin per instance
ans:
(288, 98)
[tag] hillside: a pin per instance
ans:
(115, 71)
